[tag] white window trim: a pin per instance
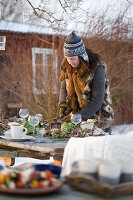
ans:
(43, 51)
(26, 16)
(0, 15)
(2, 47)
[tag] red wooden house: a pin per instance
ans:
(29, 60)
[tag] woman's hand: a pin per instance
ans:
(67, 118)
(64, 110)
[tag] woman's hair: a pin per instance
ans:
(93, 59)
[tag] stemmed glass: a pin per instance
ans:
(39, 117)
(33, 120)
(23, 113)
(76, 118)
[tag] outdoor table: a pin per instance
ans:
(9, 150)
(44, 151)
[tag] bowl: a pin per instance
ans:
(87, 125)
(56, 170)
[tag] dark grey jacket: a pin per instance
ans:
(98, 88)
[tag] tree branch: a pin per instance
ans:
(49, 15)
(129, 2)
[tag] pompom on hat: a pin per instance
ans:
(74, 46)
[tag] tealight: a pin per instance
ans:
(109, 173)
(126, 171)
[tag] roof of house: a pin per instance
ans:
(25, 28)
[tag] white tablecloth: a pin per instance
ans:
(110, 147)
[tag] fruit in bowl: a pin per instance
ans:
(29, 178)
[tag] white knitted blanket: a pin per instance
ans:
(111, 147)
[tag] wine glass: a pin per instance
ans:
(33, 120)
(23, 113)
(76, 118)
(40, 118)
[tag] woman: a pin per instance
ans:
(84, 85)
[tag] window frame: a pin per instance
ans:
(0, 15)
(2, 47)
(44, 52)
(26, 16)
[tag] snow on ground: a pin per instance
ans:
(120, 129)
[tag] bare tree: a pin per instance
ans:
(131, 3)
(55, 13)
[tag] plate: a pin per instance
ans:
(38, 191)
(9, 138)
(16, 139)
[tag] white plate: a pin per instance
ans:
(7, 136)
(24, 139)
(16, 139)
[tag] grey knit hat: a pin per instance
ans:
(74, 46)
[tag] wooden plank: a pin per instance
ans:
(8, 153)
(35, 154)
(47, 147)
(22, 153)
(58, 157)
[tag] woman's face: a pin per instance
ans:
(73, 61)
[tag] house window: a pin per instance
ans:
(2, 42)
(26, 16)
(44, 63)
(0, 15)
